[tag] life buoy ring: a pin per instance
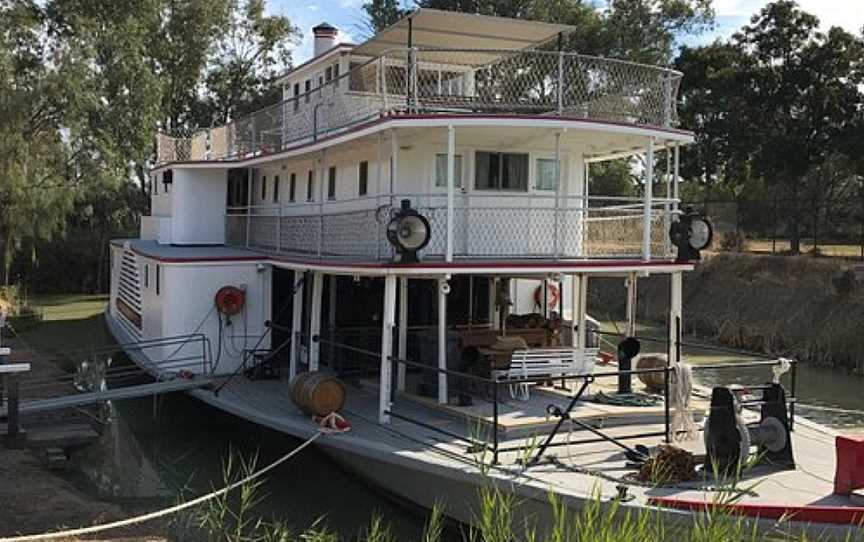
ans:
(230, 300)
(553, 295)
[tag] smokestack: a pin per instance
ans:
(325, 38)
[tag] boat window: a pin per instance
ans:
(146, 275)
(336, 73)
(263, 188)
(331, 183)
(167, 180)
(296, 96)
(441, 170)
(308, 88)
(363, 177)
(547, 174)
(328, 74)
(276, 189)
(157, 278)
(501, 171)
(292, 187)
(310, 186)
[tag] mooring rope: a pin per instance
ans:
(166, 511)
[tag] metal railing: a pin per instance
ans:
(491, 441)
(442, 81)
(504, 225)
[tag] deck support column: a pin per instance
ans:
(403, 332)
(493, 303)
(394, 162)
(632, 293)
(443, 289)
(315, 320)
(387, 349)
(676, 169)
(675, 311)
(296, 324)
(646, 203)
(451, 180)
(580, 311)
(331, 318)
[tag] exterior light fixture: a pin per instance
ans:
(691, 233)
(408, 231)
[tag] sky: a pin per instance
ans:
(348, 17)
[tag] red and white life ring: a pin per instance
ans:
(230, 300)
(553, 295)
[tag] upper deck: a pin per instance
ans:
(419, 82)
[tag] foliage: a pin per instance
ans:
(779, 106)
(382, 13)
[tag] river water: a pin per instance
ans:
(148, 453)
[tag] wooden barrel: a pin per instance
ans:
(655, 382)
(317, 393)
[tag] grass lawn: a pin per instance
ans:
(69, 322)
(763, 246)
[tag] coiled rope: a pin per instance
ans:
(166, 511)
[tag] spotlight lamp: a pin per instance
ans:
(691, 233)
(408, 231)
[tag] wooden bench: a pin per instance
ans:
(542, 362)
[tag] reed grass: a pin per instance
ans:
(233, 518)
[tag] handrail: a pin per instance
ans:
(390, 84)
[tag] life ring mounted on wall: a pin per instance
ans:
(553, 295)
(230, 300)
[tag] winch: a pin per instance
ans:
(729, 439)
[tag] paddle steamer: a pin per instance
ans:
(417, 217)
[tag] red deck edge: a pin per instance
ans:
(429, 265)
(843, 515)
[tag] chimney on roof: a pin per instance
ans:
(325, 38)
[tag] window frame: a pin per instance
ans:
(331, 183)
(557, 179)
(363, 178)
(501, 168)
(459, 159)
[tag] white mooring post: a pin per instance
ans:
(387, 349)
(675, 312)
(296, 324)
(646, 205)
(403, 332)
(443, 289)
(451, 180)
(315, 324)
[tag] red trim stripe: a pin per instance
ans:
(842, 515)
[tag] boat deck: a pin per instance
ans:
(579, 470)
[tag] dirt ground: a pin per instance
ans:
(34, 499)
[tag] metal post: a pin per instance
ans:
(667, 94)
(560, 83)
(675, 313)
(632, 294)
(667, 207)
(321, 180)
(557, 211)
(394, 162)
(387, 349)
(331, 319)
(451, 180)
(442, 339)
(676, 174)
(315, 320)
(13, 427)
(279, 226)
(296, 324)
(382, 82)
(403, 332)
(495, 423)
(249, 195)
(646, 206)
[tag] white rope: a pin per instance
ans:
(166, 511)
(681, 389)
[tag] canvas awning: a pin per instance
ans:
(435, 29)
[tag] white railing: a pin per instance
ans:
(446, 81)
(486, 226)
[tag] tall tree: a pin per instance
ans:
(382, 13)
(255, 49)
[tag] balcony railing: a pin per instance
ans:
(518, 226)
(452, 82)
